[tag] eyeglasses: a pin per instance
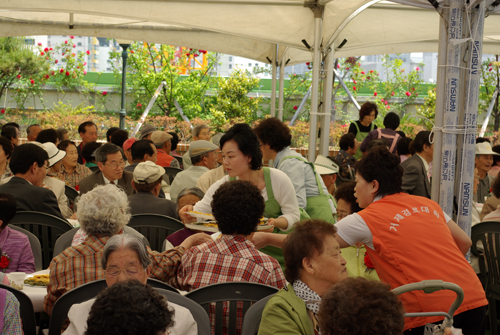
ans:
(130, 272)
(116, 165)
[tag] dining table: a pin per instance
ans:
(36, 293)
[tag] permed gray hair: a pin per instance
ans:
(187, 191)
(104, 211)
(101, 154)
(197, 130)
(126, 241)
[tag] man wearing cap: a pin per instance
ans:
(110, 160)
(147, 183)
(204, 158)
(163, 145)
(29, 164)
(127, 149)
(484, 161)
(210, 177)
(146, 132)
(328, 170)
(416, 176)
(201, 132)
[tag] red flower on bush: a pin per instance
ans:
(104, 93)
(39, 44)
(84, 72)
(56, 61)
(338, 66)
(72, 37)
(392, 93)
(139, 105)
(46, 49)
(187, 54)
(32, 81)
(41, 53)
(354, 81)
(50, 49)
(362, 72)
(47, 76)
(52, 73)
(61, 71)
(74, 45)
(88, 52)
(371, 71)
(18, 76)
(408, 93)
(375, 94)
(2, 111)
(65, 41)
(132, 51)
(354, 88)
(73, 54)
(295, 107)
(67, 73)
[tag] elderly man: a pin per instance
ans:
(102, 213)
(88, 133)
(201, 132)
(142, 151)
(29, 164)
(416, 179)
(110, 161)
(146, 132)
(32, 131)
(210, 177)
(125, 257)
(328, 171)
(204, 158)
(484, 161)
(163, 144)
(147, 183)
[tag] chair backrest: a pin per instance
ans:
(171, 172)
(251, 319)
(26, 306)
(36, 247)
(64, 241)
(231, 293)
(71, 193)
(46, 227)
(159, 284)
(155, 227)
(488, 234)
(77, 295)
(198, 313)
(179, 159)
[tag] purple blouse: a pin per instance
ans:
(17, 247)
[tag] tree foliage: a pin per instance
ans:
(490, 81)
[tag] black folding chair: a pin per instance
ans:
(251, 319)
(46, 227)
(155, 228)
(198, 313)
(26, 306)
(36, 247)
(231, 293)
(159, 284)
(171, 172)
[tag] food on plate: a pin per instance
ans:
(38, 280)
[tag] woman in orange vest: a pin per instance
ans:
(410, 239)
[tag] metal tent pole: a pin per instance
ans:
(281, 93)
(324, 146)
(313, 120)
(273, 82)
(440, 92)
(123, 112)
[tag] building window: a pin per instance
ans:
(79, 44)
(230, 58)
(256, 64)
(230, 66)
(249, 64)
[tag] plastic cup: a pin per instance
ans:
(17, 279)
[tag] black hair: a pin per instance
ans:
(25, 155)
(82, 127)
(347, 141)
(65, 144)
(275, 133)
(482, 140)
(421, 139)
(47, 135)
(119, 137)
(237, 206)
(381, 165)
(141, 148)
(391, 121)
(8, 208)
(247, 141)
(88, 149)
(366, 110)
(110, 132)
(6, 145)
(9, 132)
(403, 146)
(174, 140)
(346, 192)
(496, 158)
(13, 124)
(60, 133)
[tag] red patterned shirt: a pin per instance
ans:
(229, 258)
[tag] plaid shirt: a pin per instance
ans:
(229, 258)
(74, 178)
(345, 162)
(11, 316)
(82, 264)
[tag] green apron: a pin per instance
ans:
(317, 207)
(360, 137)
(272, 210)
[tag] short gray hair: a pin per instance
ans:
(104, 211)
(197, 130)
(189, 191)
(101, 154)
(126, 241)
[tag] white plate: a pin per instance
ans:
(204, 216)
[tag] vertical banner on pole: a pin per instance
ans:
(473, 80)
(451, 107)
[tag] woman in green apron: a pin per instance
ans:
(367, 114)
(243, 160)
(312, 195)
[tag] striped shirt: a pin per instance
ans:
(82, 264)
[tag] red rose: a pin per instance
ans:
(2, 111)
(368, 262)
(67, 73)
(392, 93)
(74, 45)
(408, 94)
(46, 49)
(4, 262)
(295, 107)
(61, 71)
(41, 53)
(88, 52)
(40, 44)
(56, 61)
(52, 73)
(375, 94)
(354, 88)
(187, 54)
(196, 55)
(65, 41)
(338, 66)
(131, 51)
(371, 71)
(63, 53)
(104, 93)
(47, 76)
(32, 81)
(72, 37)
(73, 54)
(362, 72)
(18, 76)
(50, 49)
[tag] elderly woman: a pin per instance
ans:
(71, 172)
(237, 207)
(125, 257)
(15, 248)
(313, 264)
(103, 213)
(360, 306)
(243, 161)
(429, 244)
(358, 262)
(312, 195)
(188, 196)
(367, 114)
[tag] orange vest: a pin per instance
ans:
(163, 159)
(413, 243)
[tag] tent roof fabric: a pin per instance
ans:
(247, 28)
